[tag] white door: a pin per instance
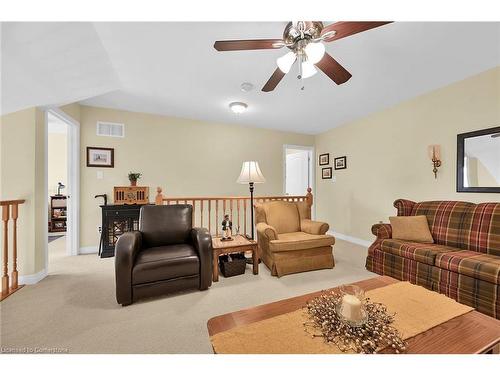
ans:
(297, 173)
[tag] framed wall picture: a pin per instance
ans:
(326, 173)
(340, 163)
(100, 157)
(324, 159)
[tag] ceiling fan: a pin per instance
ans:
(305, 41)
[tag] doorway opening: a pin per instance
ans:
(61, 184)
(298, 169)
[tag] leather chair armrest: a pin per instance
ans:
(266, 231)
(126, 249)
(313, 227)
(382, 231)
(202, 241)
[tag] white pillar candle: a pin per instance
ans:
(351, 308)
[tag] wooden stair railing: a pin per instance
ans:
(10, 210)
(208, 212)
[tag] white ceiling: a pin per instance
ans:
(50, 63)
(172, 69)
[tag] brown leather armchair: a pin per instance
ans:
(166, 255)
(289, 241)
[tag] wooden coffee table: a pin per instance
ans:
(470, 333)
(239, 244)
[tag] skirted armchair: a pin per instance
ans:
(289, 241)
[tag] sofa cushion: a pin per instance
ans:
(411, 228)
(483, 229)
(463, 225)
(471, 263)
(283, 216)
(300, 241)
(164, 263)
(420, 252)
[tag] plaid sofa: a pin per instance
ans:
(464, 261)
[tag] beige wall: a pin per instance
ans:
(21, 177)
(57, 161)
(387, 154)
(185, 157)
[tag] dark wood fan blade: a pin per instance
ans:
(239, 45)
(345, 29)
(333, 69)
(274, 80)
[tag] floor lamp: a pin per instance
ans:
(250, 174)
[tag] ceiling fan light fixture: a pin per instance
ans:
(308, 69)
(315, 52)
(285, 62)
(238, 107)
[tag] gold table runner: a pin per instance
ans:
(417, 310)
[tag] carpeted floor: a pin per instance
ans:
(74, 308)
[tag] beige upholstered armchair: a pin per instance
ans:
(289, 241)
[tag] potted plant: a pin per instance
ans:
(133, 177)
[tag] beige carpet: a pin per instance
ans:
(74, 308)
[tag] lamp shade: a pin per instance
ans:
(250, 172)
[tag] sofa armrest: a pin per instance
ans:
(382, 231)
(126, 249)
(202, 242)
(404, 206)
(313, 227)
(266, 231)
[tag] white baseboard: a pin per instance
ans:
(32, 279)
(345, 237)
(87, 250)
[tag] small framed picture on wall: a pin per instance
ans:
(100, 157)
(340, 163)
(324, 159)
(326, 173)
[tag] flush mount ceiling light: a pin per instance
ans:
(238, 107)
(305, 40)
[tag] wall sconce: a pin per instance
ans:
(435, 156)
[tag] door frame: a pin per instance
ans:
(312, 176)
(73, 173)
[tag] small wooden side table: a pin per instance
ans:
(239, 244)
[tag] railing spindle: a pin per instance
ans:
(5, 276)
(14, 275)
(238, 209)
(216, 217)
(193, 212)
(209, 210)
(201, 210)
(245, 215)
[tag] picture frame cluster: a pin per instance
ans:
(338, 163)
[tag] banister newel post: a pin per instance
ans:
(309, 200)
(159, 196)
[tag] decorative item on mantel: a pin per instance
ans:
(133, 177)
(435, 156)
(352, 322)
